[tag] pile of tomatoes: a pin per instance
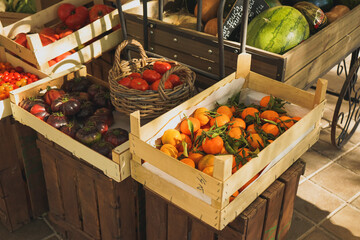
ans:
(12, 78)
(234, 128)
(149, 79)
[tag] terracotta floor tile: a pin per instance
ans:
(351, 160)
(344, 224)
(314, 202)
(356, 202)
(338, 180)
(324, 146)
(298, 227)
(34, 230)
(314, 161)
(319, 234)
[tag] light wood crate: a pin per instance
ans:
(39, 55)
(5, 109)
(299, 67)
(117, 168)
(168, 177)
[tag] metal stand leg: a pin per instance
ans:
(346, 117)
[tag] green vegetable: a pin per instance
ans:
(25, 6)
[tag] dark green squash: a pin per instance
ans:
(313, 14)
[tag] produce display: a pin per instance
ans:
(72, 18)
(150, 77)
(82, 110)
(234, 128)
(12, 78)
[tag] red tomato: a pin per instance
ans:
(139, 84)
(49, 33)
(20, 38)
(175, 80)
(62, 56)
(135, 75)
(53, 94)
(125, 81)
(155, 85)
(73, 17)
(62, 30)
(151, 75)
(98, 11)
(161, 67)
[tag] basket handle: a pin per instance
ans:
(189, 77)
(122, 46)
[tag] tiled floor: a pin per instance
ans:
(328, 199)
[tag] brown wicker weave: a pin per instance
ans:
(150, 103)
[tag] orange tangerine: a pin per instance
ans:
(233, 109)
(270, 128)
(195, 157)
(269, 115)
(223, 151)
(220, 120)
(184, 126)
(169, 150)
(265, 101)
(201, 115)
(235, 132)
(255, 141)
(285, 122)
(250, 111)
(188, 161)
(209, 170)
(213, 145)
(184, 138)
(234, 195)
(296, 119)
(251, 128)
(237, 122)
(225, 110)
(206, 161)
(248, 183)
(171, 136)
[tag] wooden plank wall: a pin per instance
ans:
(165, 221)
(83, 202)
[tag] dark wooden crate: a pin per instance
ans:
(165, 221)
(100, 67)
(23, 193)
(83, 202)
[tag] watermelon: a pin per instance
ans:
(313, 14)
(277, 29)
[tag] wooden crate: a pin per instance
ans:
(164, 220)
(38, 55)
(23, 194)
(299, 67)
(83, 202)
(100, 67)
(206, 197)
(5, 109)
(117, 168)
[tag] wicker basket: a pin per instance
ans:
(150, 103)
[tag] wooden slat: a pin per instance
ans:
(70, 198)
(229, 233)
(9, 156)
(273, 196)
(30, 161)
(201, 231)
(13, 189)
(325, 61)
(108, 209)
(291, 180)
(156, 217)
(88, 205)
(126, 193)
(178, 223)
(49, 162)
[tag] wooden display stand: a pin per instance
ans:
(88, 42)
(299, 67)
(268, 217)
(83, 202)
(22, 184)
(207, 197)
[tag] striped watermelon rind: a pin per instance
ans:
(277, 29)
